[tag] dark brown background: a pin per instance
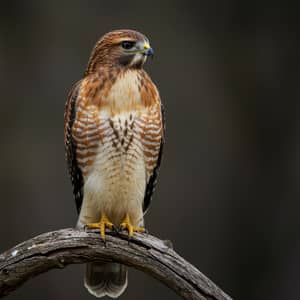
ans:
(228, 195)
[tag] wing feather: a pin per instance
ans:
(154, 176)
(70, 146)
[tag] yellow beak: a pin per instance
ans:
(148, 50)
(146, 46)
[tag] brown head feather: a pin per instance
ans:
(108, 51)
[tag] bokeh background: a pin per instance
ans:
(228, 195)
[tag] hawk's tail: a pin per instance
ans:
(105, 279)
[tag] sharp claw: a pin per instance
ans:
(126, 225)
(101, 225)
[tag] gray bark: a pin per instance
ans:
(144, 252)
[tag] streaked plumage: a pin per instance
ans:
(114, 133)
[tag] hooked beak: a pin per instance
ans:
(148, 50)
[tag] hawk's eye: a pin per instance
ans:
(127, 44)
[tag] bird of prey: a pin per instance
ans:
(114, 134)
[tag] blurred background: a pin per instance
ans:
(228, 194)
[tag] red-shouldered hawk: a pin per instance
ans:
(114, 133)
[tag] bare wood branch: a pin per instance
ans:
(147, 253)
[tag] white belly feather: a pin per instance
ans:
(117, 180)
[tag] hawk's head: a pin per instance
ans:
(124, 48)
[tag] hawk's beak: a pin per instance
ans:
(148, 50)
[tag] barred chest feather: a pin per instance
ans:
(115, 178)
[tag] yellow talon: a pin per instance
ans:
(126, 224)
(102, 224)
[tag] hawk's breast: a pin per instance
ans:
(112, 152)
(117, 178)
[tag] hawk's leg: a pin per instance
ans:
(102, 224)
(126, 225)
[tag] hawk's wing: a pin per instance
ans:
(70, 145)
(153, 178)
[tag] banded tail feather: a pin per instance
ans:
(105, 279)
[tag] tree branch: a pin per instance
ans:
(144, 252)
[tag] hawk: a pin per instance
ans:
(114, 134)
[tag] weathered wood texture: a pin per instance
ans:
(144, 252)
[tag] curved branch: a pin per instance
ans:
(147, 253)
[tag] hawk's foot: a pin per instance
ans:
(101, 225)
(126, 225)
